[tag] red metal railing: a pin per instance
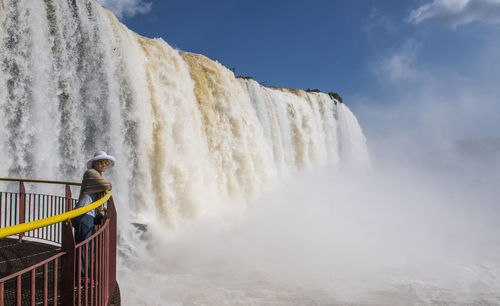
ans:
(26, 207)
(83, 274)
(22, 284)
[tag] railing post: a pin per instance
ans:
(22, 207)
(68, 198)
(68, 265)
(111, 212)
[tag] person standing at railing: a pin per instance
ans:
(93, 188)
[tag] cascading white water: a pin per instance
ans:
(187, 133)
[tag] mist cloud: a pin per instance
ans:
(126, 8)
(397, 236)
(400, 64)
(457, 12)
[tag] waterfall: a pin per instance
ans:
(188, 134)
(195, 144)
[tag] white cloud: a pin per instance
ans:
(400, 64)
(456, 12)
(378, 22)
(420, 100)
(126, 8)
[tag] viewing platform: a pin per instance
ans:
(39, 261)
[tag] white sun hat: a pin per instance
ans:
(101, 155)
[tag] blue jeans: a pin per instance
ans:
(84, 228)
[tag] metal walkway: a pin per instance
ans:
(40, 263)
(16, 256)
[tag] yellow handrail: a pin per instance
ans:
(29, 226)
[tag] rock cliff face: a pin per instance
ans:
(187, 134)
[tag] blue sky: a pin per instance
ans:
(418, 68)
